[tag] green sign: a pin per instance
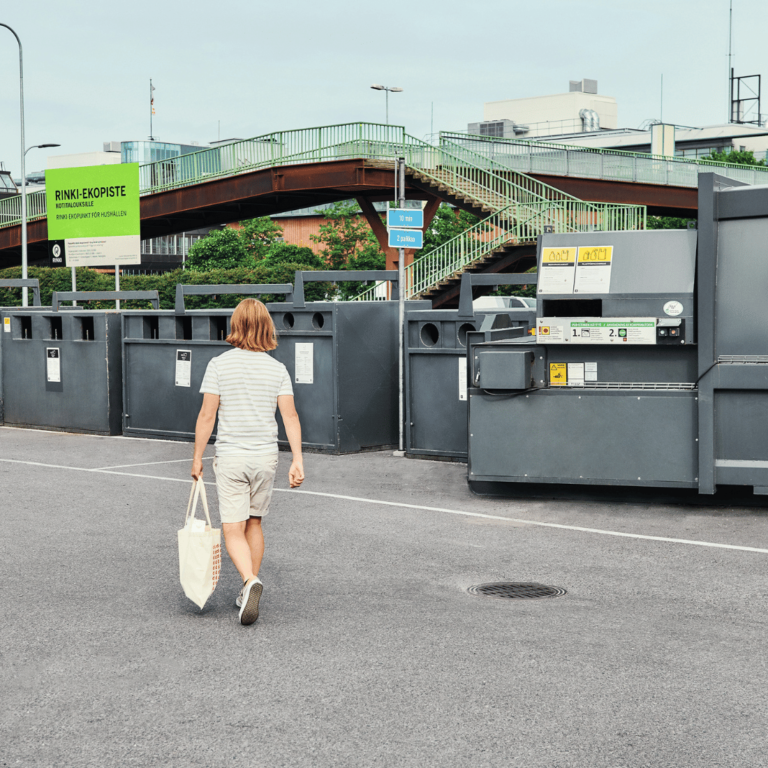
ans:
(96, 211)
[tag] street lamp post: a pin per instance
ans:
(388, 90)
(24, 299)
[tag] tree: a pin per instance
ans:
(740, 157)
(285, 253)
(259, 235)
(447, 224)
(347, 238)
(219, 249)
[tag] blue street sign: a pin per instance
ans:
(405, 217)
(406, 238)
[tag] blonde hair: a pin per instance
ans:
(252, 328)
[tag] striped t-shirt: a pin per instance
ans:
(248, 385)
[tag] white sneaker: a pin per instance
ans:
(249, 607)
(239, 598)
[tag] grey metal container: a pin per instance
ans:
(345, 385)
(86, 343)
(349, 401)
(34, 284)
(606, 394)
(436, 366)
(158, 345)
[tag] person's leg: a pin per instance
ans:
(255, 537)
(238, 548)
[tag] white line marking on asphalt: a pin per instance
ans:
(151, 463)
(402, 505)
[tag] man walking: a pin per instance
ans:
(245, 386)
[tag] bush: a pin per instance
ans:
(59, 279)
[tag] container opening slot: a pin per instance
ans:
(184, 328)
(219, 328)
(26, 327)
(151, 328)
(573, 308)
(54, 328)
(86, 328)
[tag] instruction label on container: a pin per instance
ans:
(183, 367)
(593, 269)
(53, 364)
(575, 374)
(7, 324)
(558, 268)
(590, 371)
(305, 363)
(462, 378)
(558, 374)
(607, 330)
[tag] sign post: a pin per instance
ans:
(94, 214)
(405, 230)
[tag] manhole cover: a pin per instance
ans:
(515, 589)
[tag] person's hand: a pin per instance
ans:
(296, 474)
(197, 468)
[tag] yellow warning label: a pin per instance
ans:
(601, 254)
(558, 374)
(558, 256)
(7, 324)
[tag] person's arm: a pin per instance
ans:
(293, 433)
(205, 421)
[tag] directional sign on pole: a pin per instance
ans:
(406, 238)
(405, 217)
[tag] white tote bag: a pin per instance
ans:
(199, 550)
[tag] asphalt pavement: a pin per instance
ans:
(369, 650)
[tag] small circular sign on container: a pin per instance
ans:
(673, 308)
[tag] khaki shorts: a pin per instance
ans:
(244, 484)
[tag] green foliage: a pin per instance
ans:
(346, 237)
(447, 224)
(734, 156)
(348, 242)
(284, 253)
(258, 236)
(219, 249)
(667, 222)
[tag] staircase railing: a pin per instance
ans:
(499, 229)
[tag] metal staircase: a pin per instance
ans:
(520, 209)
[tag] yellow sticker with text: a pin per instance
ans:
(558, 374)
(551, 256)
(7, 324)
(599, 254)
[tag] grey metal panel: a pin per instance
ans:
(316, 403)
(641, 364)
(647, 262)
(437, 417)
(742, 277)
(577, 436)
(710, 185)
(743, 202)
(154, 405)
(741, 425)
(505, 369)
(88, 398)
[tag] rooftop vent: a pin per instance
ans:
(582, 86)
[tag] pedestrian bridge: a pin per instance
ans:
(518, 188)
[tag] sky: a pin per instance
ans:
(253, 67)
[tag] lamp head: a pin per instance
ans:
(377, 87)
